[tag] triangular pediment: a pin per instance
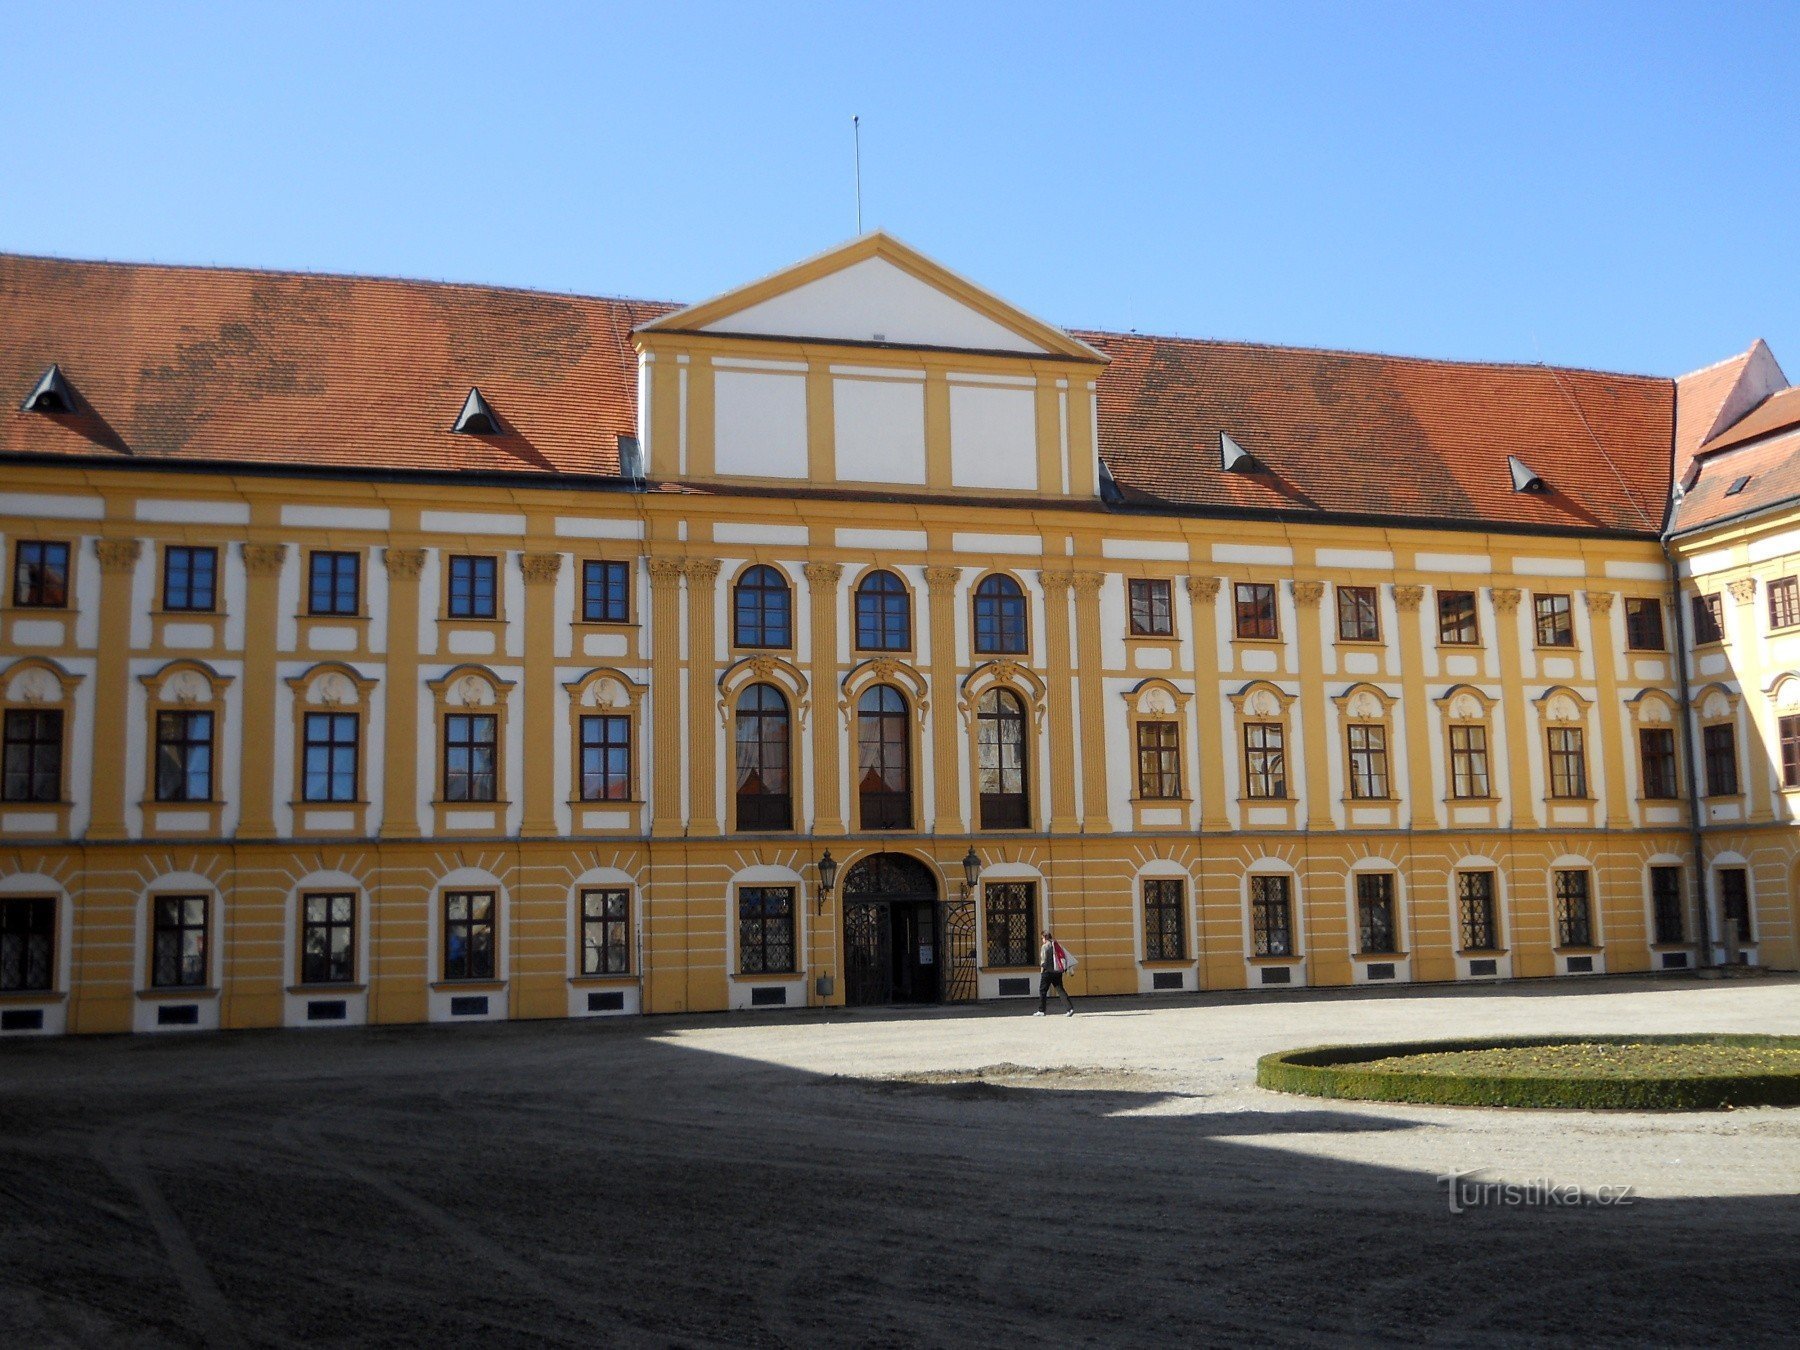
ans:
(876, 290)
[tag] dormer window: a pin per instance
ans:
(477, 417)
(1233, 458)
(1737, 485)
(1524, 477)
(51, 394)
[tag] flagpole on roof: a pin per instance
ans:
(856, 135)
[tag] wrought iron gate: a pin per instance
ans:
(956, 939)
(868, 957)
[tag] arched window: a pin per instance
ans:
(884, 759)
(764, 796)
(883, 614)
(1000, 617)
(763, 613)
(1000, 741)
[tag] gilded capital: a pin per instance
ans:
(118, 555)
(1505, 598)
(540, 567)
(1055, 583)
(264, 560)
(1203, 589)
(665, 571)
(701, 571)
(1600, 602)
(404, 562)
(942, 578)
(1087, 583)
(823, 575)
(1308, 593)
(1743, 590)
(1408, 598)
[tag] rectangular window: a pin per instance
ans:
(468, 935)
(190, 578)
(1574, 914)
(27, 944)
(1720, 744)
(1734, 902)
(765, 929)
(1644, 624)
(1469, 761)
(184, 756)
(1568, 762)
(178, 941)
(472, 588)
(1665, 903)
(1788, 729)
(1271, 917)
(1152, 615)
(605, 592)
(1368, 761)
(1159, 760)
(1475, 911)
(328, 939)
(331, 748)
(33, 754)
(1555, 621)
(606, 932)
(1456, 619)
(1784, 602)
(1011, 922)
(1265, 760)
(334, 583)
(470, 748)
(1256, 610)
(40, 575)
(606, 759)
(1656, 755)
(1375, 913)
(1709, 619)
(1165, 935)
(1358, 614)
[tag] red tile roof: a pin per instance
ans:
(1777, 412)
(1773, 468)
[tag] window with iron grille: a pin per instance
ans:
(1011, 915)
(1165, 935)
(883, 614)
(31, 769)
(1256, 610)
(473, 588)
(1574, 913)
(469, 935)
(763, 731)
(178, 925)
(1159, 760)
(190, 578)
(1368, 761)
(765, 930)
(184, 756)
(1788, 729)
(1644, 624)
(1001, 761)
(1152, 614)
(470, 751)
(1475, 911)
(606, 758)
(1656, 755)
(1666, 906)
(1568, 762)
(1709, 618)
(1469, 761)
(1271, 916)
(605, 592)
(40, 574)
(1784, 602)
(1265, 760)
(1375, 913)
(328, 938)
(1555, 622)
(329, 773)
(333, 583)
(884, 759)
(1000, 617)
(1734, 902)
(27, 944)
(1719, 742)
(1358, 614)
(1456, 619)
(606, 932)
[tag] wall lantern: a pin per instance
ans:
(971, 871)
(827, 868)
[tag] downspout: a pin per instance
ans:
(1697, 840)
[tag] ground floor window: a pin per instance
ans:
(1375, 912)
(1574, 910)
(1734, 901)
(1165, 936)
(1271, 917)
(178, 941)
(27, 944)
(469, 935)
(1475, 911)
(327, 939)
(1665, 902)
(606, 932)
(765, 929)
(1011, 923)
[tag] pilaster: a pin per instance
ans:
(822, 587)
(1316, 741)
(1521, 803)
(1095, 808)
(703, 720)
(1759, 746)
(1203, 599)
(1421, 796)
(946, 772)
(1059, 783)
(1614, 781)
(118, 562)
(665, 695)
(541, 570)
(400, 776)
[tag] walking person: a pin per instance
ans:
(1054, 962)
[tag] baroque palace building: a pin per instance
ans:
(381, 651)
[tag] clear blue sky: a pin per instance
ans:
(1612, 186)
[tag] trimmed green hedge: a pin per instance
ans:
(1340, 1071)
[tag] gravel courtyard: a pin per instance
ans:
(846, 1179)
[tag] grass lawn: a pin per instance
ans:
(1582, 1059)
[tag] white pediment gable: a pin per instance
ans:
(874, 301)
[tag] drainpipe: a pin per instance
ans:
(1697, 841)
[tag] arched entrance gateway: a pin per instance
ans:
(902, 944)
